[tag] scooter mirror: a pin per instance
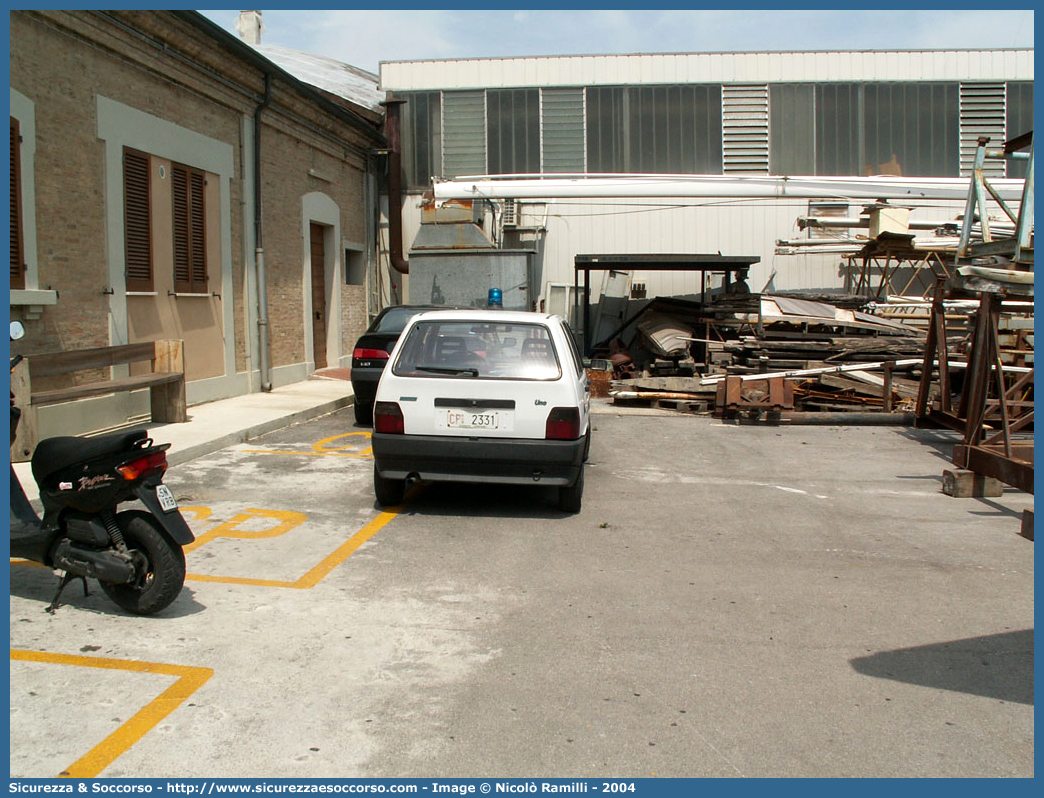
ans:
(17, 330)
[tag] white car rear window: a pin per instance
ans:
(478, 350)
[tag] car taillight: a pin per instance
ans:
(369, 354)
(144, 466)
(387, 417)
(563, 424)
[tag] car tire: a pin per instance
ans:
(363, 413)
(389, 492)
(570, 496)
(587, 442)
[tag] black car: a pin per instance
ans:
(371, 354)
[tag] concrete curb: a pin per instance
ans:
(186, 453)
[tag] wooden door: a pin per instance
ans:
(318, 295)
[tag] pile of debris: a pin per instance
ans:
(785, 353)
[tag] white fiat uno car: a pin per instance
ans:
(483, 396)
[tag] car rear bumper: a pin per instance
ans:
(364, 384)
(463, 459)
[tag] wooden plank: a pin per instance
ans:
(169, 405)
(49, 364)
(105, 387)
(964, 484)
(28, 434)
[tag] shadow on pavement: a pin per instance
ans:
(995, 666)
(36, 583)
(473, 500)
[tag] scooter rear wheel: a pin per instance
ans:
(163, 573)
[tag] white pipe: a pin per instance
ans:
(954, 364)
(595, 186)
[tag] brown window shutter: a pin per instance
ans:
(190, 250)
(137, 221)
(17, 248)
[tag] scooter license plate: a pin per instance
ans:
(166, 499)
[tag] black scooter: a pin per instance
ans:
(136, 554)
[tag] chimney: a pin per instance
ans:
(249, 26)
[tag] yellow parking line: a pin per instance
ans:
(288, 520)
(190, 679)
(320, 571)
(308, 454)
(327, 448)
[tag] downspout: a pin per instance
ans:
(391, 129)
(259, 251)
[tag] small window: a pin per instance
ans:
(17, 250)
(190, 244)
(137, 221)
(354, 267)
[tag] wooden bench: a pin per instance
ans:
(165, 381)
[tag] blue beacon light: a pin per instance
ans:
(495, 299)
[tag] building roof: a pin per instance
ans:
(232, 44)
(724, 68)
(342, 80)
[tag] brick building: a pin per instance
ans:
(143, 144)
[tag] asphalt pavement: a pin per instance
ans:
(750, 601)
(732, 601)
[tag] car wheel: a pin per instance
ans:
(389, 492)
(587, 442)
(569, 496)
(363, 413)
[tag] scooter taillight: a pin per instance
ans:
(144, 466)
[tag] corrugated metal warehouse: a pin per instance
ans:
(723, 125)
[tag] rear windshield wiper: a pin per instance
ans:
(471, 372)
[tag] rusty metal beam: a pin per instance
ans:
(1016, 470)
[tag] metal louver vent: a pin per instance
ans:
(983, 114)
(509, 213)
(463, 133)
(563, 130)
(745, 134)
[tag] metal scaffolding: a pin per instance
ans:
(994, 405)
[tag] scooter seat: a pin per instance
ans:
(54, 454)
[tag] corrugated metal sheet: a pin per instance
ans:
(353, 84)
(608, 70)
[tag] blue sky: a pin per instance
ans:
(365, 38)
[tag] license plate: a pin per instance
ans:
(477, 420)
(166, 499)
